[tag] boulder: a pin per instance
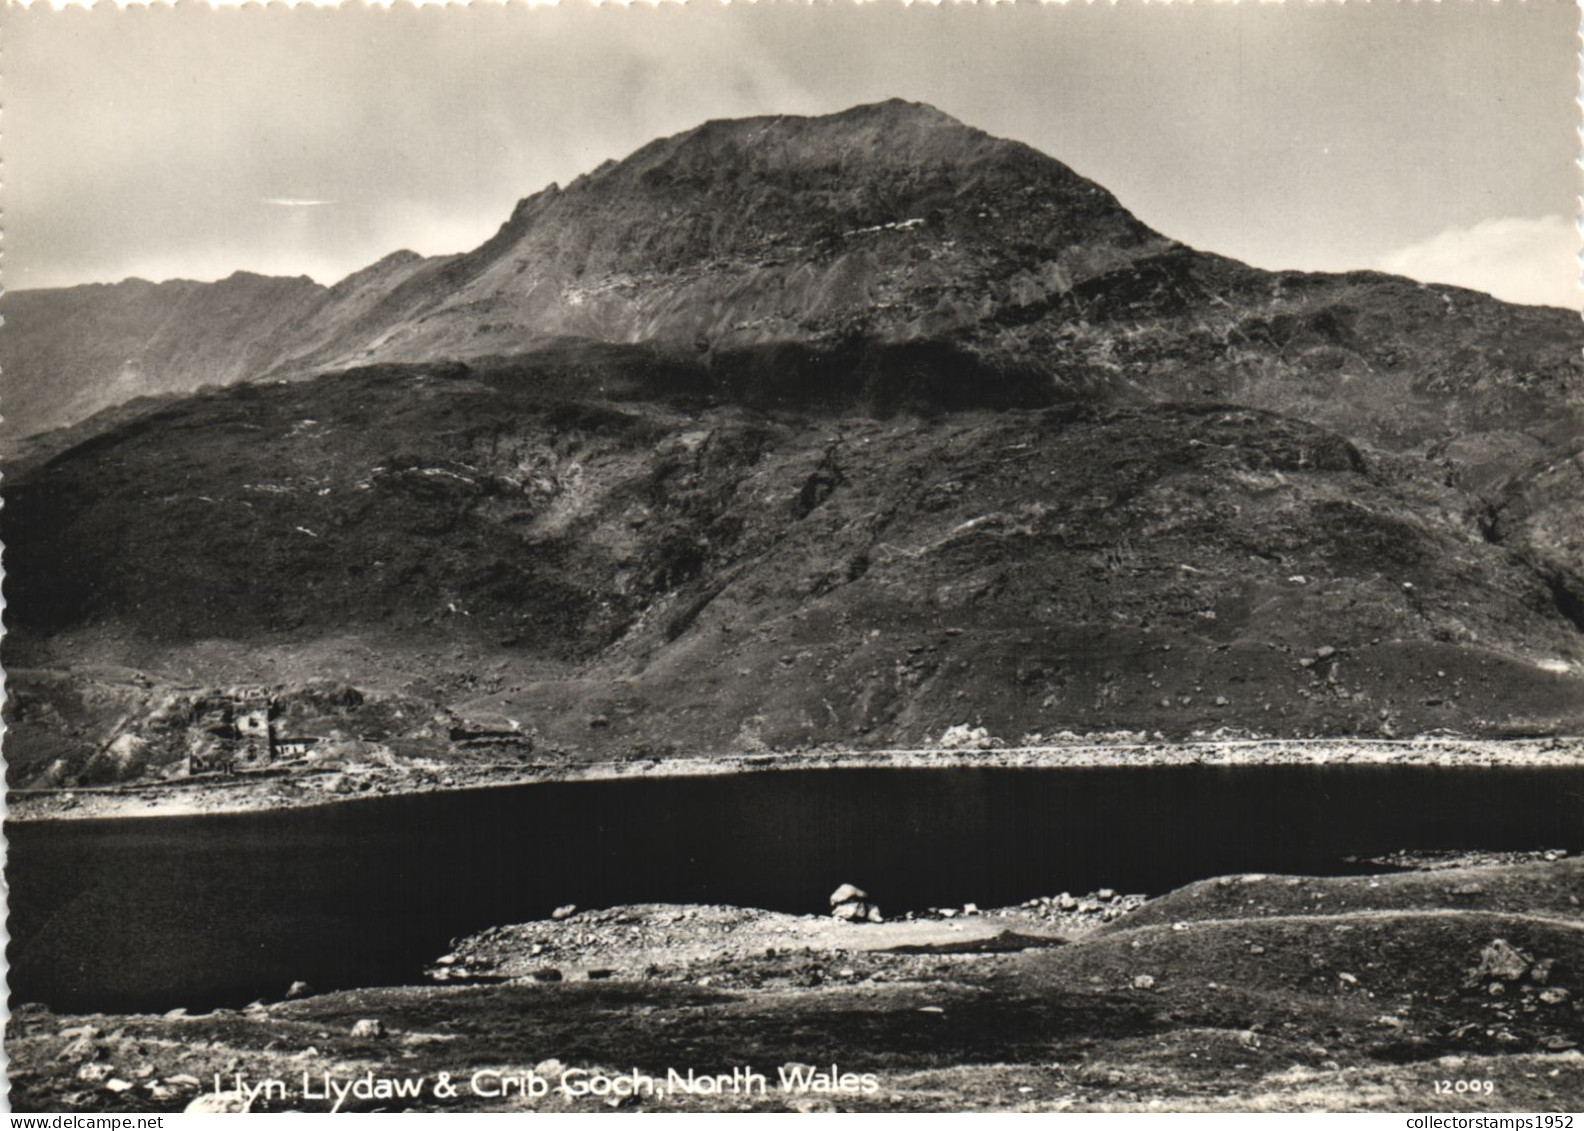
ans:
(1500, 961)
(857, 911)
(297, 990)
(847, 893)
(564, 912)
(368, 1027)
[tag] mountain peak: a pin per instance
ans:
(899, 108)
(892, 219)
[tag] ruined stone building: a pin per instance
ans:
(240, 730)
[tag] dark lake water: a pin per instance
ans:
(153, 913)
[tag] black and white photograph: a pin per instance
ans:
(786, 557)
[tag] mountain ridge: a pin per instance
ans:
(798, 432)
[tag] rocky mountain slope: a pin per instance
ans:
(807, 431)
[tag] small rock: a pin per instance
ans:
(1256, 949)
(183, 1080)
(219, 1103)
(970, 909)
(564, 912)
(76, 1031)
(94, 1071)
(175, 1014)
(1500, 960)
(1105, 894)
(1348, 979)
(303, 989)
(368, 1027)
(847, 893)
(1143, 982)
(1065, 902)
(116, 1084)
(83, 1048)
(813, 1105)
(1324, 652)
(1554, 995)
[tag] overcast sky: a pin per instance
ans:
(1437, 140)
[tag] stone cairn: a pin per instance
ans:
(850, 904)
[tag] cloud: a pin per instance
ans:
(294, 201)
(1527, 259)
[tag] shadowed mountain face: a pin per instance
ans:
(789, 430)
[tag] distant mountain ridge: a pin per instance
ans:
(887, 220)
(762, 249)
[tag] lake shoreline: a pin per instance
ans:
(309, 787)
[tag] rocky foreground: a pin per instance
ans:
(1453, 986)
